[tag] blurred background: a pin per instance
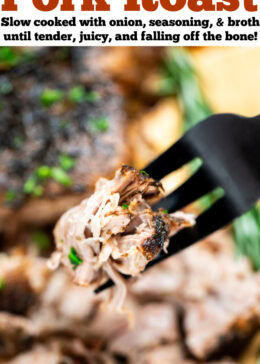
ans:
(71, 115)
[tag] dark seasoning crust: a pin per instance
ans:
(33, 134)
(152, 246)
(141, 178)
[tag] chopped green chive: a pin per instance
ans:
(43, 172)
(41, 239)
(30, 184)
(38, 191)
(2, 283)
(61, 53)
(51, 96)
(18, 141)
(64, 124)
(100, 125)
(66, 162)
(145, 173)
(74, 258)
(92, 96)
(6, 88)
(77, 94)
(8, 57)
(34, 183)
(61, 176)
(10, 196)
(125, 206)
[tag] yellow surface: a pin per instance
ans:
(230, 78)
(153, 133)
(252, 353)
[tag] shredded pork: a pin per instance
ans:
(115, 230)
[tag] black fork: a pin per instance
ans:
(229, 148)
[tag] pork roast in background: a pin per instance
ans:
(53, 118)
(37, 305)
(218, 294)
(184, 310)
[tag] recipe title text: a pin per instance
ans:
(138, 5)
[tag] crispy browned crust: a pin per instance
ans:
(152, 246)
(142, 178)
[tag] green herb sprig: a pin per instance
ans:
(247, 236)
(180, 73)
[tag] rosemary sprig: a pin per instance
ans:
(180, 79)
(247, 236)
(180, 70)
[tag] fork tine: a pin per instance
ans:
(218, 216)
(107, 285)
(196, 186)
(173, 158)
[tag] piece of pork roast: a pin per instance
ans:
(59, 132)
(115, 230)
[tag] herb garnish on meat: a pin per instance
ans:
(59, 174)
(10, 196)
(99, 125)
(51, 96)
(66, 162)
(144, 172)
(78, 94)
(74, 258)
